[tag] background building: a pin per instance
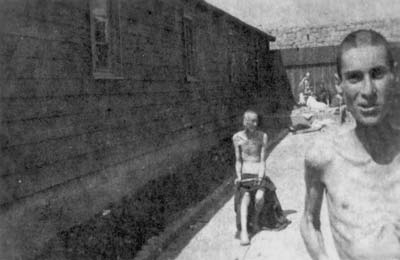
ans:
(308, 31)
(313, 49)
(99, 97)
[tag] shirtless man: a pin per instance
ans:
(250, 151)
(359, 169)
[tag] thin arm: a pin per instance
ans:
(301, 82)
(310, 226)
(238, 162)
(263, 156)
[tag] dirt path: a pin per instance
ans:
(215, 234)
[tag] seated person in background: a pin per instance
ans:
(254, 189)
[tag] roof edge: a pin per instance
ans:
(241, 22)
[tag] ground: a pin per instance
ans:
(128, 229)
(121, 230)
(212, 236)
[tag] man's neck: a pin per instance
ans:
(250, 134)
(381, 142)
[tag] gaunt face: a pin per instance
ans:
(367, 82)
(250, 121)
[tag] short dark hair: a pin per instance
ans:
(363, 38)
(259, 117)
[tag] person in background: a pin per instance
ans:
(255, 191)
(305, 89)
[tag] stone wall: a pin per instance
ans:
(328, 35)
(71, 144)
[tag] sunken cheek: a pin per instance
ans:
(382, 88)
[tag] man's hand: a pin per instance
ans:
(238, 180)
(259, 179)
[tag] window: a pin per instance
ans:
(188, 43)
(106, 39)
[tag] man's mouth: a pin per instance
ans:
(368, 108)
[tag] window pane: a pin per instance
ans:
(100, 31)
(100, 7)
(102, 56)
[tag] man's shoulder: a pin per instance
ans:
(261, 134)
(325, 148)
(239, 136)
(319, 153)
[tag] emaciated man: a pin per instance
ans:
(358, 170)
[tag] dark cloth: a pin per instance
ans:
(271, 215)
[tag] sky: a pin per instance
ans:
(274, 14)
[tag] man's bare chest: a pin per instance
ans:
(364, 190)
(251, 145)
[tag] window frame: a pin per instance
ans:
(189, 47)
(112, 38)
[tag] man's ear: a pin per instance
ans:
(338, 81)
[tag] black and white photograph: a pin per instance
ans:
(199, 130)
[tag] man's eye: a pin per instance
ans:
(378, 73)
(354, 77)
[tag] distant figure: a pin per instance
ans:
(358, 170)
(255, 194)
(305, 89)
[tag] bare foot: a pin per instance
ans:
(244, 239)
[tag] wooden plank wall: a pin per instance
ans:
(72, 144)
(321, 75)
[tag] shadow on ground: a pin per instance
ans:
(120, 231)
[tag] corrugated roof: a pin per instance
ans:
(237, 20)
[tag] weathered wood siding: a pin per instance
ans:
(71, 144)
(322, 75)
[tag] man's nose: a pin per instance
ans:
(369, 89)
